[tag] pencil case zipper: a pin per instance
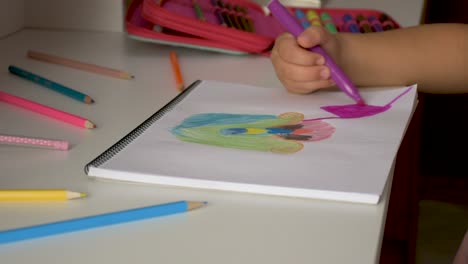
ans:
(247, 41)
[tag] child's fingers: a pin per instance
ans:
(287, 49)
(312, 36)
(301, 73)
(299, 70)
(306, 87)
(300, 79)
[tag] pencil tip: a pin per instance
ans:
(195, 205)
(75, 195)
(88, 124)
(89, 100)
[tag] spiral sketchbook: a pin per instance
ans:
(238, 137)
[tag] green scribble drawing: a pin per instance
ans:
(280, 134)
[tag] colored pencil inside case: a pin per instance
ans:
(236, 26)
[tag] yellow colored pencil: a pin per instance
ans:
(39, 195)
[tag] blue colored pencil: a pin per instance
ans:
(50, 84)
(95, 221)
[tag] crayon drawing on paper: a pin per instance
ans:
(284, 133)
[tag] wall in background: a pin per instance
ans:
(102, 15)
(11, 16)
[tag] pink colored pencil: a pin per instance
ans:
(79, 65)
(46, 110)
(34, 142)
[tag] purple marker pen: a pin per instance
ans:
(292, 25)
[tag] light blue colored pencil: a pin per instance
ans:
(72, 225)
(51, 85)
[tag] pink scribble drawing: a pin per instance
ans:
(357, 110)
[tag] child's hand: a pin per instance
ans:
(300, 70)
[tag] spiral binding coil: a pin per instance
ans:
(135, 133)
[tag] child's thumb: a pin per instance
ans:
(312, 36)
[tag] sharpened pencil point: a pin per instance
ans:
(76, 195)
(126, 76)
(88, 100)
(195, 205)
(89, 124)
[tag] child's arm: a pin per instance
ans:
(434, 56)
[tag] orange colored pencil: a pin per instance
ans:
(177, 73)
(79, 65)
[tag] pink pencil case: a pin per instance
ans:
(235, 26)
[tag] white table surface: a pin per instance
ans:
(233, 228)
